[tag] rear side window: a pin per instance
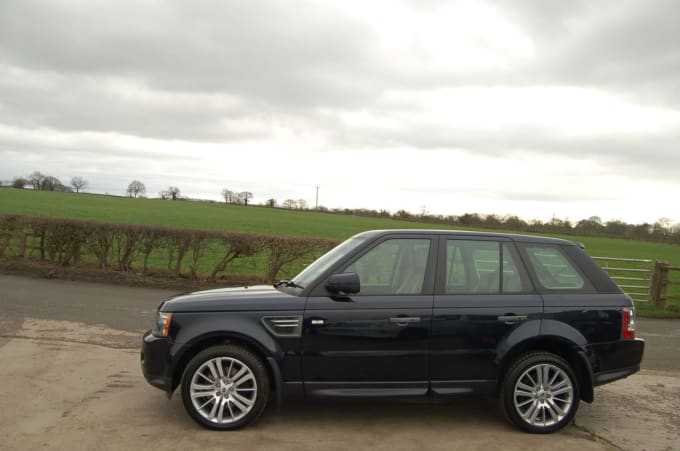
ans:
(552, 268)
(475, 267)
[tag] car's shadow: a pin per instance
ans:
(351, 414)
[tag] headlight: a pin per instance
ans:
(163, 323)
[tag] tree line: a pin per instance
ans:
(663, 230)
(43, 182)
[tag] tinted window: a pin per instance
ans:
(552, 268)
(310, 273)
(475, 267)
(394, 266)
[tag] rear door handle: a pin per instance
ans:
(512, 318)
(404, 320)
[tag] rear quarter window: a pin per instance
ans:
(554, 270)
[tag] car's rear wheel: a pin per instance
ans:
(225, 387)
(540, 393)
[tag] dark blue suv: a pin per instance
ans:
(404, 313)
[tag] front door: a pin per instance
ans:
(375, 342)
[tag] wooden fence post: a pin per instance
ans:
(660, 283)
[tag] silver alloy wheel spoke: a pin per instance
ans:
(220, 412)
(211, 381)
(220, 370)
(238, 404)
(543, 395)
(211, 367)
(231, 384)
(245, 378)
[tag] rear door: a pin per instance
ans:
(483, 295)
(374, 343)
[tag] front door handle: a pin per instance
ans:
(510, 319)
(404, 320)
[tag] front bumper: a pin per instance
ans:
(155, 361)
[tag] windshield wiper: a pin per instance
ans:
(287, 283)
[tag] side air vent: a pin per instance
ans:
(283, 326)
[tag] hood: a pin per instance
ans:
(261, 297)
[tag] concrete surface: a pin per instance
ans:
(67, 385)
(70, 379)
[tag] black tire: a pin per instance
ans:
(554, 404)
(233, 399)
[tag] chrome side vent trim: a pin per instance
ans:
(283, 326)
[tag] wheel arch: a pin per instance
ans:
(190, 350)
(568, 350)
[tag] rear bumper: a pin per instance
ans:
(614, 361)
(155, 358)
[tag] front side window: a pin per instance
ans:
(475, 267)
(393, 267)
(552, 268)
(313, 271)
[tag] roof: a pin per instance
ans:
(461, 233)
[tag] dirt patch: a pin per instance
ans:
(90, 273)
(9, 326)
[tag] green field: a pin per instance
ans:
(217, 216)
(209, 216)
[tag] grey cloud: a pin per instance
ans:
(624, 45)
(268, 51)
(650, 156)
(80, 103)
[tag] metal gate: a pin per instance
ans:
(632, 275)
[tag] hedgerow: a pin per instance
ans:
(126, 247)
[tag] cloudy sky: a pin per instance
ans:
(536, 108)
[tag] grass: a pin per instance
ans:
(218, 216)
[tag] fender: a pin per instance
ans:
(522, 333)
(564, 331)
(196, 327)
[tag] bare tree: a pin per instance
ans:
(302, 204)
(229, 196)
(271, 203)
(136, 188)
(51, 183)
(78, 183)
(19, 182)
(289, 203)
(174, 192)
(36, 180)
(244, 197)
(164, 195)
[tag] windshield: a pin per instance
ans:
(321, 264)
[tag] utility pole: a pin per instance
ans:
(317, 199)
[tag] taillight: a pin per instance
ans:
(628, 329)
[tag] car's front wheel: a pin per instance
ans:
(540, 392)
(225, 387)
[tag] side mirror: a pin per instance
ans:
(345, 283)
